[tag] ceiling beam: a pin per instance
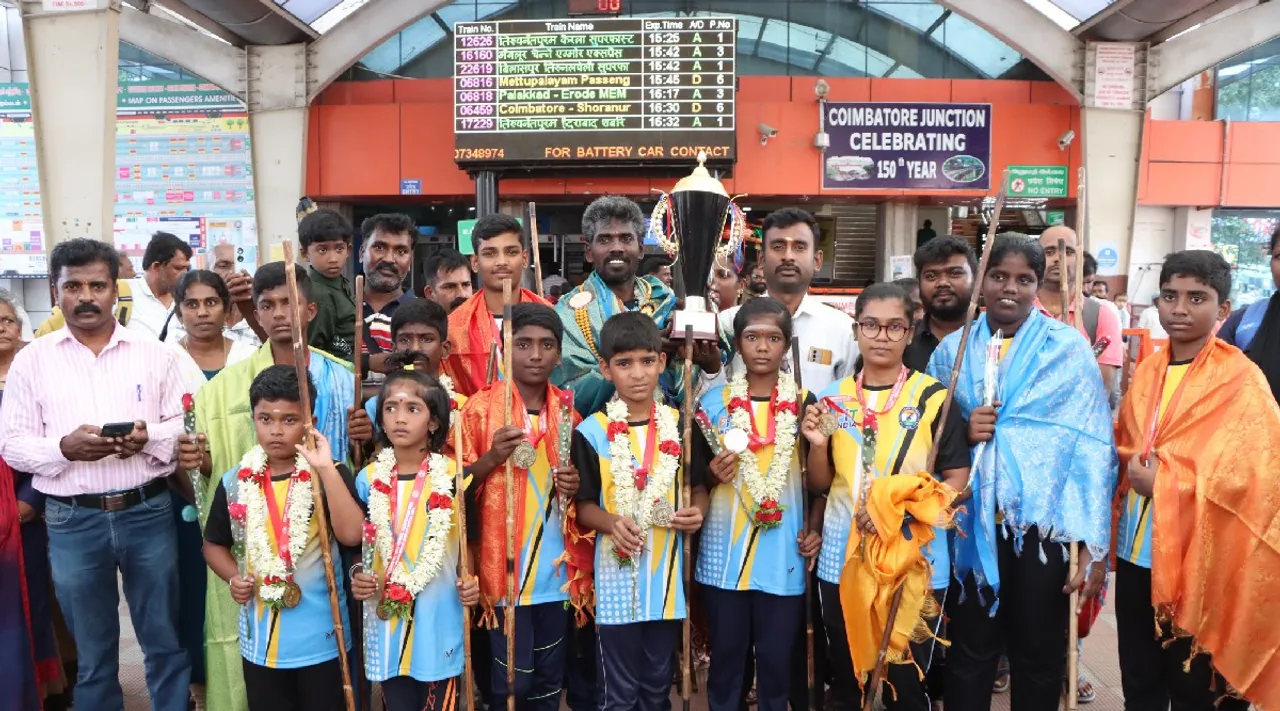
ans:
(1200, 16)
(293, 19)
(203, 56)
(199, 19)
(1030, 33)
(1099, 16)
(369, 26)
(1205, 47)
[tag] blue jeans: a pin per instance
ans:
(86, 548)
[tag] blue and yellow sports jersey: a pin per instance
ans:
(1134, 543)
(903, 441)
(542, 540)
(649, 589)
(733, 554)
(286, 638)
(428, 647)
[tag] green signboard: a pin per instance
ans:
(464, 235)
(1055, 217)
(140, 97)
(1037, 181)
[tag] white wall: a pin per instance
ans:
(1153, 238)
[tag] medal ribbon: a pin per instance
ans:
(401, 538)
(754, 440)
(279, 519)
(650, 449)
(868, 415)
(534, 434)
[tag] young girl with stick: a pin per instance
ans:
(405, 512)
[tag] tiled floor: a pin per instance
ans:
(1099, 663)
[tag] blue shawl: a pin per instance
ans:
(1052, 462)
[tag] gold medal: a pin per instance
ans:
(525, 456)
(383, 611)
(662, 513)
(292, 595)
(828, 424)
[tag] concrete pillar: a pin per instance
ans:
(1112, 150)
(898, 225)
(72, 62)
(277, 104)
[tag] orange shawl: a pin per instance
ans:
(1215, 543)
(471, 336)
(878, 565)
(481, 417)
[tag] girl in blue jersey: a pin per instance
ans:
(405, 512)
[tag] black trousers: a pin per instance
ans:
(540, 654)
(800, 655)
(635, 665)
(314, 688)
(1151, 663)
(1031, 624)
(747, 620)
(403, 693)
(581, 693)
(902, 689)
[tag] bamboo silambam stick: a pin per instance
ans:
(357, 451)
(1073, 564)
(509, 615)
(301, 357)
(877, 674)
(815, 699)
(686, 499)
(533, 246)
(464, 570)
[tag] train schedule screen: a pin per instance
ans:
(598, 91)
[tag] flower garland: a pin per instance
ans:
(267, 564)
(404, 585)
(629, 483)
(447, 383)
(766, 487)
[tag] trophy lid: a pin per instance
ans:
(700, 180)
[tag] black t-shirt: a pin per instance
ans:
(587, 460)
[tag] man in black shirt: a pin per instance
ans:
(946, 266)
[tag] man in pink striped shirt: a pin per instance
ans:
(108, 506)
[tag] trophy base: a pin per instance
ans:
(703, 322)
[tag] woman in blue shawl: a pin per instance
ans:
(1044, 471)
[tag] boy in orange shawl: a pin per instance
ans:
(1198, 550)
(476, 325)
(553, 554)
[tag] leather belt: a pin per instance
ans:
(115, 501)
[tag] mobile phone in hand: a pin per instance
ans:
(115, 430)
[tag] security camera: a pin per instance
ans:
(821, 88)
(1064, 141)
(766, 132)
(821, 140)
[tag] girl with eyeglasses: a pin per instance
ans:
(880, 423)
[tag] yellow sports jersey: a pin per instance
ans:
(542, 540)
(428, 647)
(904, 437)
(1134, 544)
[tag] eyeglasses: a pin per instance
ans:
(893, 331)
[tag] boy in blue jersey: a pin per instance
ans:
(262, 537)
(628, 457)
(752, 556)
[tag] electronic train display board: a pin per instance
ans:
(594, 92)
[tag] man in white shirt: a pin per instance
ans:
(790, 258)
(1150, 320)
(164, 263)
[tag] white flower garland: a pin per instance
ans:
(626, 498)
(447, 383)
(267, 565)
(434, 547)
(766, 486)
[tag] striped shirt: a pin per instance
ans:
(57, 384)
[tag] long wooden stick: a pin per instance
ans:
(301, 356)
(815, 699)
(357, 449)
(877, 674)
(686, 499)
(464, 570)
(509, 618)
(533, 245)
(1073, 561)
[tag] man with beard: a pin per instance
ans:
(756, 284)
(614, 227)
(790, 257)
(448, 275)
(946, 266)
(386, 257)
